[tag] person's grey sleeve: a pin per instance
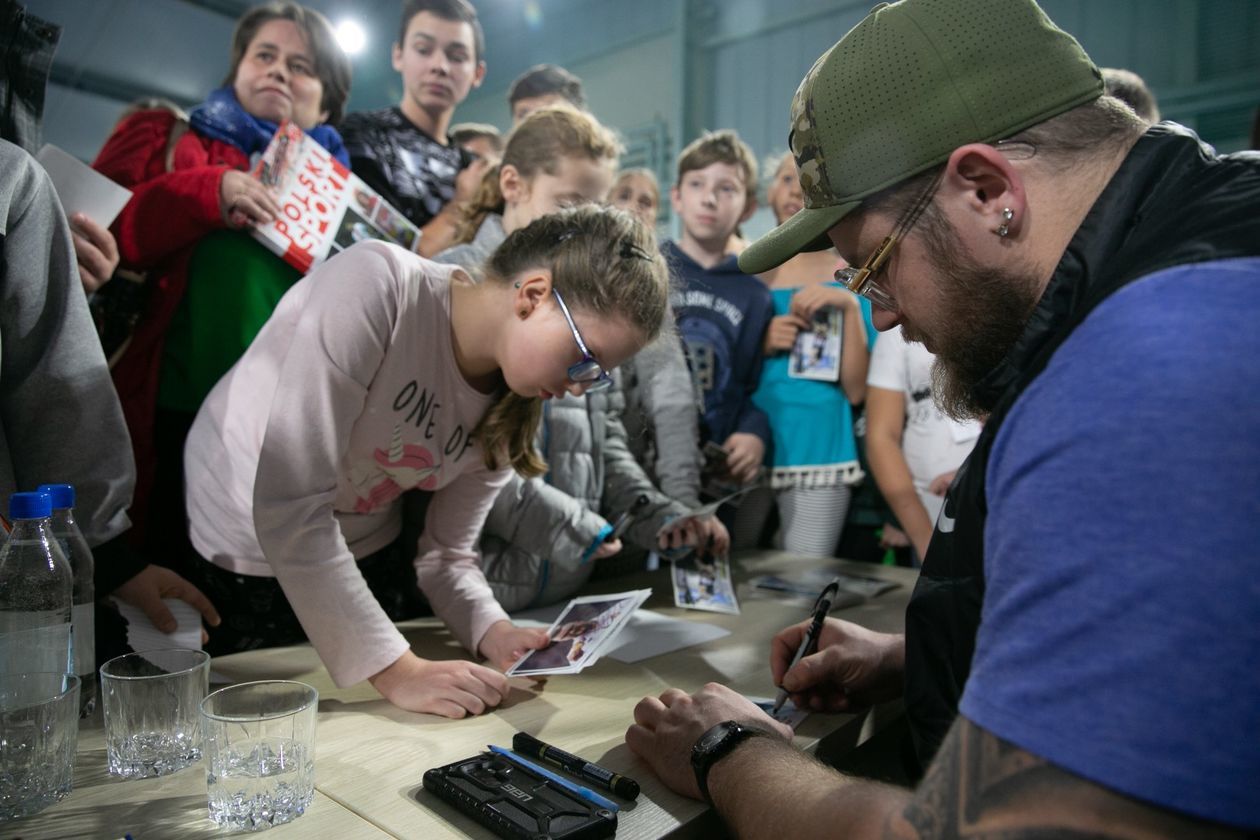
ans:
(60, 420)
(534, 516)
(625, 480)
(669, 398)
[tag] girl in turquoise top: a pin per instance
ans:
(813, 461)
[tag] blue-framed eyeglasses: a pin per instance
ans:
(587, 371)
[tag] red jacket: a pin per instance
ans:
(168, 213)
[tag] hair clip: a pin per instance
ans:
(629, 251)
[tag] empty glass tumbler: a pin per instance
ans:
(39, 733)
(260, 753)
(152, 704)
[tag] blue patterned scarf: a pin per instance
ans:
(222, 118)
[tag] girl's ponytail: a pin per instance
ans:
(487, 200)
(507, 434)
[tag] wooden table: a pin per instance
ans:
(370, 756)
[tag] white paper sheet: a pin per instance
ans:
(81, 188)
(142, 635)
(651, 634)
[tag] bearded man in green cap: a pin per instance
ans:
(1081, 653)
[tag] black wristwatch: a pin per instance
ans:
(714, 744)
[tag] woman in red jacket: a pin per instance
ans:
(210, 286)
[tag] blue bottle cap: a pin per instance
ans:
(37, 505)
(62, 495)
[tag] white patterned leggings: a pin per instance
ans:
(810, 519)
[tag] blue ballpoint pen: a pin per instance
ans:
(585, 793)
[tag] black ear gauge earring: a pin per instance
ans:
(1004, 229)
(517, 284)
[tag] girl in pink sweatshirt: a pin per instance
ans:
(381, 372)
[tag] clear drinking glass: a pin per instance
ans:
(152, 701)
(260, 752)
(39, 733)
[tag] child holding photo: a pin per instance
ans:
(542, 536)
(381, 372)
(814, 459)
(722, 312)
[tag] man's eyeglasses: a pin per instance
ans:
(587, 370)
(862, 281)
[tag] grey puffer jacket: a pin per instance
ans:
(662, 416)
(540, 528)
(471, 256)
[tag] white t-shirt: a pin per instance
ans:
(933, 444)
(349, 396)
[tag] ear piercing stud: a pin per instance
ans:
(1004, 229)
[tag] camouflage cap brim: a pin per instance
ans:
(805, 231)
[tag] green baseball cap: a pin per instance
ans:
(904, 88)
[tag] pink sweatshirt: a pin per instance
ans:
(349, 396)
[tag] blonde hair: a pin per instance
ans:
(604, 262)
(638, 172)
(537, 145)
(720, 147)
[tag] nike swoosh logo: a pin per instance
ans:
(945, 522)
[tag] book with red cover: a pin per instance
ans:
(324, 207)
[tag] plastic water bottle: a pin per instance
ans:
(82, 611)
(35, 592)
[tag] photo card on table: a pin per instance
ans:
(580, 634)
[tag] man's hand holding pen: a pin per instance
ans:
(852, 668)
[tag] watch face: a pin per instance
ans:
(712, 738)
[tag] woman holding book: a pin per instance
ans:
(208, 286)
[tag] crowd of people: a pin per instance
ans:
(1004, 308)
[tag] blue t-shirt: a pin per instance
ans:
(1120, 634)
(805, 448)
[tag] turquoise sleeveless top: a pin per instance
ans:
(811, 423)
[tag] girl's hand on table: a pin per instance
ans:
(504, 643)
(453, 689)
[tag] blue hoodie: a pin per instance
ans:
(722, 315)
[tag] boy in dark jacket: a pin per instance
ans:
(722, 312)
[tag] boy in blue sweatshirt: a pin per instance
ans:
(722, 312)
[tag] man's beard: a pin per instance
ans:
(983, 312)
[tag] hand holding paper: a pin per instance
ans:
(581, 634)
(96, 251)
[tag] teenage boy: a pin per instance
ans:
(722, 312)
(541, 86)
(404, 152)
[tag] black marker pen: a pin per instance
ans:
(621, 785)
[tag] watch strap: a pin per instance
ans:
(713, 745)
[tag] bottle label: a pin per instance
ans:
(35, 641)
(84, 620)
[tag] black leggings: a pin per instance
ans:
(256, 613)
